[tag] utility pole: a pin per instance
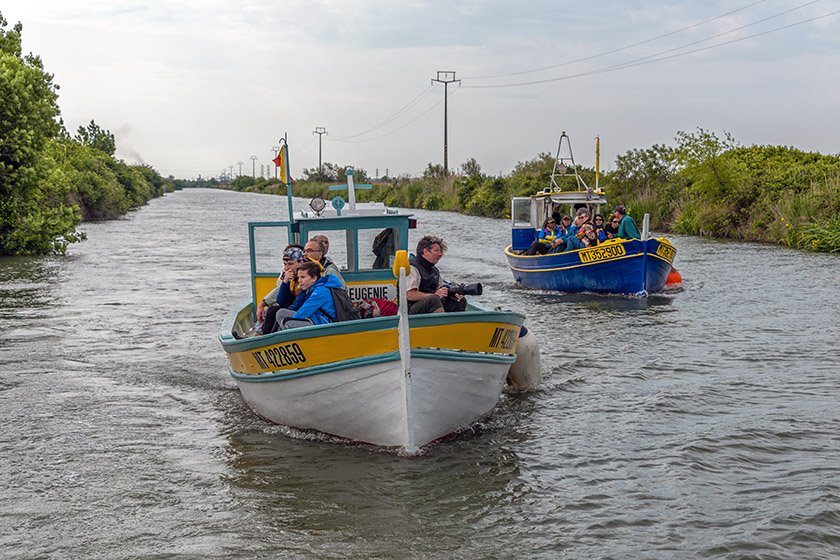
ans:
(254, 165)
(276, 150)
(320, 131)
(445, 78)
(239, 163)
(231, 170)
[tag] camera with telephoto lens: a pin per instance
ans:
(466, 289)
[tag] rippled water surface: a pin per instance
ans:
(702, 424)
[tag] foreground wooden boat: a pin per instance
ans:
(616, 266)
(388, 381)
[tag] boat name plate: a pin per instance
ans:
(504, 338)
(279, 356)
(666, 252)
(601, 253)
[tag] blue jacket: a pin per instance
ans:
(548, 235)
(285, 296)
(316, 303)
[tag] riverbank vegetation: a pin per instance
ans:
(49, 181)
(703, 185)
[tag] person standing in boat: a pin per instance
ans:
(316, 250)
(627, 228)
(425, 291)
(548, 239)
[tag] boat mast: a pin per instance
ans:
(597, 160)
(560, 166)
(284, 153)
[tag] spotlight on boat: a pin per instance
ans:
(317, 204)
(561, 169)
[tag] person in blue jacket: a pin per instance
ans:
(314, 305)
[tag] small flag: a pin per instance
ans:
(280, 161)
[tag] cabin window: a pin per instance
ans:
(338, 246)
(521, 212)
(377, 248)
(269, 243)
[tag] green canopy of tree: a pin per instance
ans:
(49, 182)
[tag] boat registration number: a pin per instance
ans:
(601, 253)
(666, 252)
(279, 356)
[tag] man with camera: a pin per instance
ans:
(425, 291)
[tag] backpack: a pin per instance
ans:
(377, 307)
(344, 308)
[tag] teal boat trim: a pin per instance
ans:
(232, 344)
(461, 356)
(416, 353)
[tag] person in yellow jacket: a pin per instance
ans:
(548, 239)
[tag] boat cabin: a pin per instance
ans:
(363, 240)
(528, 213)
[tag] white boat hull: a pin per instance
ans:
(372, 404)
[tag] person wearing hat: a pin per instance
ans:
(548, 240)
(284, 294)
(627, 228)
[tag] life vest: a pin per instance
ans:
(547, 236)
(429, 275)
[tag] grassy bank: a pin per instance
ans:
(703, 185)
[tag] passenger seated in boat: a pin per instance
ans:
(315, 249)
(425, 291)
(564, 225)
(326, 241)
(314, 305)
(627, 228)
(285, 293)
(581, 219)
(598, 222)
(583, 239)
(611, 227)
(548, 240)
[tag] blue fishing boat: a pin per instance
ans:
(389, 380)
(616, 266)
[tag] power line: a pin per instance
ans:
(399, 127)
(399, 112)
(584, 59)
(650, 59)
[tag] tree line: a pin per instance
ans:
(51, 181)
(705, 184)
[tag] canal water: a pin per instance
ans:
(701, 424)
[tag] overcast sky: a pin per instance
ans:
(192, 87)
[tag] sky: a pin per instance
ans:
(196, 88)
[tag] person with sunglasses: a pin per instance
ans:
(316, 250)
(284, 294)
(611, 226)
(627, 228)
(598, 224)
